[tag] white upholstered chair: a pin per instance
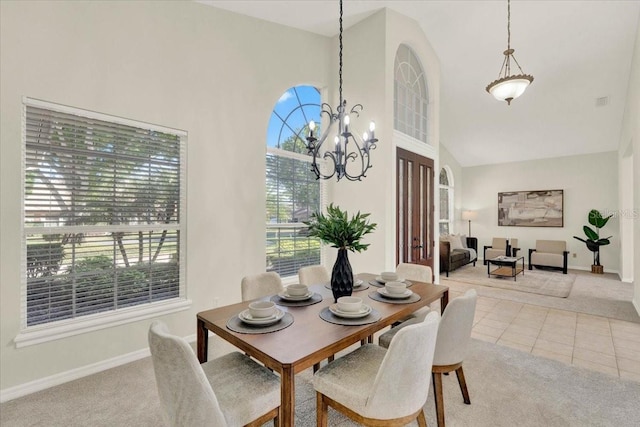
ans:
(549, 254)
(378, 387)
(261, 285)
(313, 275)
(231, 390)
(498, 248)
(419, 273)
(451, 348)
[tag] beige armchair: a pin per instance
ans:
(498, 247)
(549, 254)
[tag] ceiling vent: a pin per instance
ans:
(602, 101)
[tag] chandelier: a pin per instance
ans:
(347, 148)
(508, 87)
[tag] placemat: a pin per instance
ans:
(236, 325)
(362, 287)
(381, 285)
(376, 296)
(328, 316)
(315, 298)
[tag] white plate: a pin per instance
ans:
(364, 311)
(246, 317)
(381, 280)
(406, 294)
(285, 296)
(358, 283)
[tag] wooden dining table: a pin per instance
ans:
(310, 339)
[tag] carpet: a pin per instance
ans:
(507, 387)
(541, 282)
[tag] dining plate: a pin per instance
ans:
(381, 280)
(357, 283)
(246, 317)
(406, 294)
(288, 297)
(364, 311)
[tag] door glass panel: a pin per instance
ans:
(427, 211)
(400, 219)
(410, 210)
(423, 213)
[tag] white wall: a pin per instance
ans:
(589, 182)
(214, 74)
(630, 145)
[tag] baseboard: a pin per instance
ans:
(77, 373)
(636, 304)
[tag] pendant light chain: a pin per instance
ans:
(340, 72)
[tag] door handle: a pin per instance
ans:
(418, 246)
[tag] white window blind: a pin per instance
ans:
(103, 210)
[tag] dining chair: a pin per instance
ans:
(313, 275)
(260, 285)
(454, 334)
(419, 273)
(378, 387)
(231, 390)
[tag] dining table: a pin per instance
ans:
(309, 339)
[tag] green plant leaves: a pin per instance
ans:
(335, 228)
(591, 235)
(596, 219)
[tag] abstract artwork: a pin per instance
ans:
(531, 208)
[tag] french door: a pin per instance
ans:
(415, 206)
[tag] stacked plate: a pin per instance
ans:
(246, 317)
(364, 311)
(285, 296)
(403, 295)
(357, 283)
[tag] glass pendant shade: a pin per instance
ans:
(509, 88)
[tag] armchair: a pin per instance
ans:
(499, 246)
(550, 254)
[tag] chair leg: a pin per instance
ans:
(439, 398)
(316, 366)
(422, 421)
(463, 385)
(321, 411)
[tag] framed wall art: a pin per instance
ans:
(531, 208)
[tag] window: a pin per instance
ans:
(410, 96)
(446, 201)
(103, 214)
(292, 191)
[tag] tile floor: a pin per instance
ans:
(593, 342)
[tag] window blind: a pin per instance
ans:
(102, 213)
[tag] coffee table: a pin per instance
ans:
(507, 266)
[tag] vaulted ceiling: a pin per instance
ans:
(579, 52)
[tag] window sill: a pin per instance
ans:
(67, 328)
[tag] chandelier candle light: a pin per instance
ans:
(508, 87)
(347, 146)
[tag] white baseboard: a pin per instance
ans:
(77, 373)
(636, 304)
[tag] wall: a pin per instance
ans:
(214, 74)
(630, 146)
(589, 182)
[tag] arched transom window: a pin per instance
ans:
(446, 201)
(411, 96)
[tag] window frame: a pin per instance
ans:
(276, 151)
(57, 329)
(450, 190)
(413, 66)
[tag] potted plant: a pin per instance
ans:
(335, 228)
(593, 240)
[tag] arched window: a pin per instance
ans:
(446, 201)
(410, 95)
(292, 191)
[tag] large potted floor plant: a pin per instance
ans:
(345, 234)
(593, 240)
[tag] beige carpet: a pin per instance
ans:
(541, 282)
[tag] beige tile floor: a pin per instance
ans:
(593, 342)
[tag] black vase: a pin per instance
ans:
(341, 276)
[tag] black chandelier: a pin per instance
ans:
(339, 154)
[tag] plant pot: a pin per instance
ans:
(341, 276)
(597, 269)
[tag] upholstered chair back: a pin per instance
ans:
(261, 285)
(401, 386)
(455, 329)
(185, 393)
(551, 246)
(499, 243)
(417, 272)
(513, 243)
(313, 275)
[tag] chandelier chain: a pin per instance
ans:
(508, 24)
(340, 72)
